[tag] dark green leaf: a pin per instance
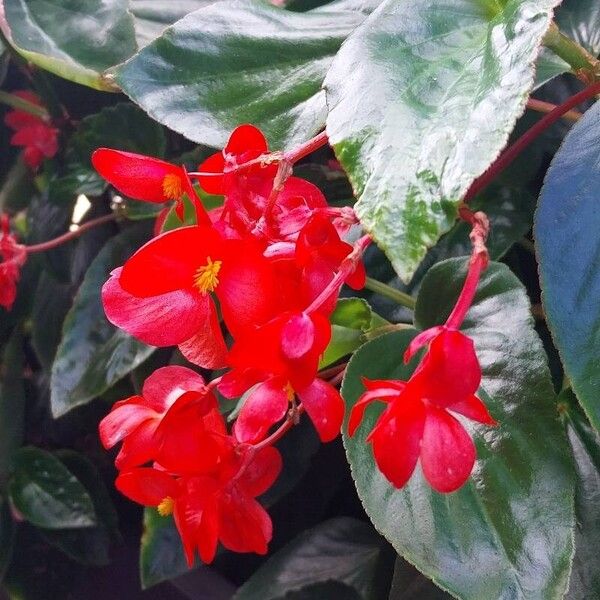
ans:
(88, 545)
(409, 584)
(93, 355)
(161, 552)
(17, 188)
(507, 533)
(151, 17)
(585, 443)
(567, 242)
(12, 404)
(422, 98)
(47, 494)
(342, 550)
(580, 20)
(76, 40)
(7, 537)
(122, 127)
(239, 62)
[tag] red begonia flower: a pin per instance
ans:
(212, 507)
(149, 179)
(13, 257)
(417, 423)
(246, 143)
(175, 273)
(282, 357)
(38, 138)
(135, 421)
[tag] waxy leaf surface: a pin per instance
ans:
(422, 98)
(567, 226)
(239, 62)
(512, 522)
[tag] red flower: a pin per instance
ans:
(214, 507)
(38, 138)
(282, 357)
(418, 422)
(148, 179)
(167, 395)
(162, 293)
(13, 257)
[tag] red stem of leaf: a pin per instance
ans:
(307, 148)
(70, 235)
(513, 151)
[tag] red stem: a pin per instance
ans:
(513, 151)
(70, 235)
(457, 316)
(281, 430)
(307, 148)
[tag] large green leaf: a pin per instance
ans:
(342, 550)
(153, 16)
(239, 61)
(47, 494)
(93, 355)
(567, 223)
(580, 20)
(422, 98)
(507, 533)
(585, 443)
(75, 39)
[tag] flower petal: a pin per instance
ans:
(421, 340)
(123, 419)
(245, 525)
(325, 407)
(146, 486)
(139, 447)
(396, 440)
(167, 384)
(475, 409)
(373, 393)
(447, 451)
(262, 472)
(265, 405)
(163, 320)
(212, 184)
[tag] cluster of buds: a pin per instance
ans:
(268, 266)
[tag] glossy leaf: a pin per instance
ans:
(512, 522)
(585, 443)
(75, 40)
(47, 494)
(580, 20)
(422, 98)
(342, 550)
(93, 354)
(566, 235)
(151, 17)
(239, 62)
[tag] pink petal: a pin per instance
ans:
(297, 336)
(447, 451)
(167, 384)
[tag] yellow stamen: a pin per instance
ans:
(289, 390)
(206, 278)
(172, 188)
(166, 506)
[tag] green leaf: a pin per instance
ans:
(351, 318)
(507, 532)
(47, 494)
(422, 98)
(161, 552)
(580, 20)
(93, 354)
(341, 550)
(409, 584)
(152, 17)
(585, 444)
(88, 545)
(76, 40)
(12, 403)
(567, 222)
(122, 127)
(237, 62)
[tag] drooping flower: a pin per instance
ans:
(419, 423)
(162, 294)
(281, 360)
(167, 394)
(13, 257)
(37, 137)
(149, 179)
(215, 506)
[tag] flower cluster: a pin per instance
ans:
(13, 257)
(267, 266)
(418, 423)
(38, 138)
